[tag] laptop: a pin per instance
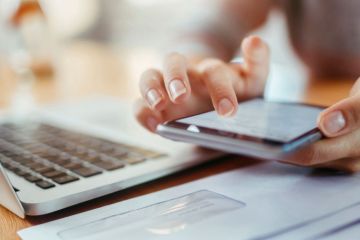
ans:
(65, 154)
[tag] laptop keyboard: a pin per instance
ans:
(49, 156)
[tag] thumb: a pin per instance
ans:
(356, 88)
(341, 118)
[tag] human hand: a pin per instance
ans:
(185, 87)
(340, 149)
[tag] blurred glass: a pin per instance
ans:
(23, 47)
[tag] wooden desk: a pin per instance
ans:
(87, 68)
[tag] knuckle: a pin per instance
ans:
(312, 157)
(143, 77)
(138, 112)
(219, 90)
(346, 165)
(149, 77)
(172, 55)
(138, 116)
(212, 66)
(266, 48)
(138, 107)
(173, 72)
(355, 90)
(175, 69)
(353, 114)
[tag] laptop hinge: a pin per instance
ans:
(8, 197)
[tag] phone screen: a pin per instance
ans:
(281, 122)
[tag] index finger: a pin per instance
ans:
(255, 65)
(256, 58)
(176, 78)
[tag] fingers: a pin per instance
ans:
(219, 79)
(220, 82)
(341, 118)
(146, 117)
(349, 165)
(356, 88)
(175, 77)
(256, 55)
(341, 150)
(327, 150)
(153, 90)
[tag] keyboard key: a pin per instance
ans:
(86, 171)
(56, 144)
(43, 169)
(104, 157)
(3, 159)
(8, 154)
(134, 159)
(146, 153)
(106, 147)
(5, 164)
(72, 165)
(49, 153)
(107, 165)
(151, 154)
(69, 147)
(118, 153)
(35, 148)
(44, 184)
(10, 166)
(53, 174)
(81, 151)
(35, 165)
(65, 179)
(23, 159)
(61, 163)
(92, 143)
(20, 172)
(92, 157)
(32, 178)
(62, 159)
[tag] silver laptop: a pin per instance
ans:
(68, 154)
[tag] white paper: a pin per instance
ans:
(343, 224)
(277, 199)
(351, 231)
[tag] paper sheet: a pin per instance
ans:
(343, 224)
(277, 201)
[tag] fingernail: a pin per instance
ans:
(255, 47)
(153, 98)
(225, 107)
(334, 122)
(177, 88)
(152, 123)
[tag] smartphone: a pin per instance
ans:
(260, 128)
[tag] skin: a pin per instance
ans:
(208, 81)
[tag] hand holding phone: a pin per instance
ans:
(260, 128)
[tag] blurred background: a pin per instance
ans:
(53, 50)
